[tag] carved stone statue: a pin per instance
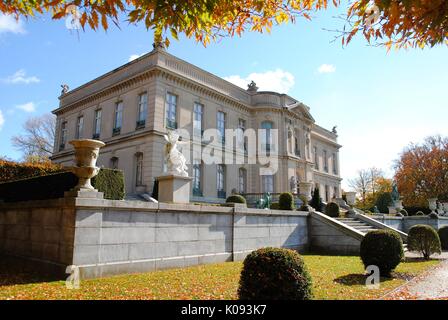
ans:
(293, 184)
(334, 130)
(395, 194)
(176, 162)
(252, 86)
(264, 202)
(64, 88)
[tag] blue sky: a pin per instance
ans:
(380, 101)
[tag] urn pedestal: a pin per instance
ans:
(174, 188)
(432, 202)
(86, 154)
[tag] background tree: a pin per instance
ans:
(406, 23)
(421, 171)
(36, 143)
(361, 184)
(369, 184)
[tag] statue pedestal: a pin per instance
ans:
(174, 188)
(90, 194)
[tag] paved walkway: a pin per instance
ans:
(432, 284)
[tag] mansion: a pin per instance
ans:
(132, 107)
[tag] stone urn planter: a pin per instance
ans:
(86, 154)
(305, 189)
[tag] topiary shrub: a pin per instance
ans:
(383, 201)
(404, 212)
(419, 213)
(111, 183)
(52, 186)
(286, 201)
(275, 206)
(332, 210)
(433, 215)
(424, 239)
(316, 200)
(383, 248)
(236, 198)
(443, 235)
(274, 274)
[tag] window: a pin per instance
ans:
(63, 135)
(335, 192)
(268, 183)
(241, 141)
(142, 110)
(325, 160)
(266, 140)
(221, 181)
(97, 124)
(335, 164)
(242, 180)
(296, 146)
(114, 163)
(79, 127)
(221, 125)
(171, 111)
(139, 169)
(327, 193)
(118, 119)
(198, 119)
(316, 159)
(197, 178)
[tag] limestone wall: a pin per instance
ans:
(105, 237)
(405, 223)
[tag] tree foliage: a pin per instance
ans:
(421, 171)
(402, 23)
(37, 141)
(369, 184)
(406, 23)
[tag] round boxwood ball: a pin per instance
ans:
(274, 274)
(382, 248)
(235, 199)
(443, 235)
(424, 239)
(332, 210)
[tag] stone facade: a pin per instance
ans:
(131, 107)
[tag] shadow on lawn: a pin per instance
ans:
(356, 279)
(15, 271)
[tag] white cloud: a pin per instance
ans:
(326, 68)
(2, 120)
(134, 56)
(20, 77)
(274, 80)
(9, 24)
(27, 107)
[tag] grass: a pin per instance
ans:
(334, 277)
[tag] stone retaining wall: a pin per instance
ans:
(405, 223)
(105, 237)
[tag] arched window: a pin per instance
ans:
(114, 163)
(139, 169)
(242, 180)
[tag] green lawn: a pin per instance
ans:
(335, 277)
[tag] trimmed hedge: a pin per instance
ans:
(52, 186)
(424, 239)
(316, 200)
(275, 206)
(382, 248)
(332, 210)
(383, 202)
(414, 210)
(235, 199)
(274, 274)
(286, 201)
(10, 170)
(443, 235)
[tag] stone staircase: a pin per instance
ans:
(357, 224)
(361, 226)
